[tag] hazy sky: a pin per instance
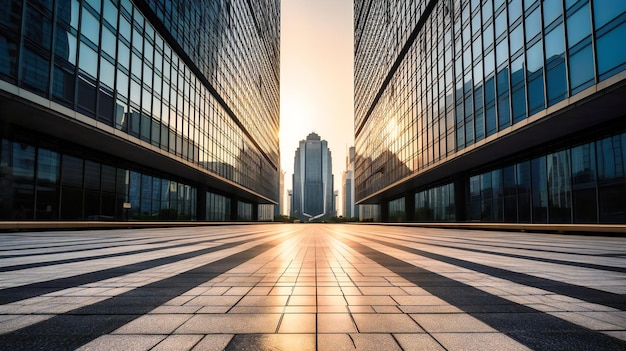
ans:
(316, 83)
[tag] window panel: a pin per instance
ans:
(88, 60)
(578, 26)
(611, 51)
(606, 10)
(90, 26)
(35, 70)
(581, 68)
(533, 24)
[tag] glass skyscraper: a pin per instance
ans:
(491, 110)
(139, 110)
(313, 195)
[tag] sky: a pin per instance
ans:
(316, 79)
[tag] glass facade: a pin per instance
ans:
(197, 80)
(43, 184)
(581, 184)
(438, 80)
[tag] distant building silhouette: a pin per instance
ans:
(349, 207)
(313, 196)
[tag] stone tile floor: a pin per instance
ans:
(311, 287)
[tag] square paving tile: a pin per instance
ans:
(230, 324)
(386, 323)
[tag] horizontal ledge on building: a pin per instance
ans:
(61, 225)
(559, 228)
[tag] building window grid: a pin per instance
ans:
(137, 23)
(519, 24)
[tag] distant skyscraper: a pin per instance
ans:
(349, 208)
(495, 111)
(313, 196)
(146, 110)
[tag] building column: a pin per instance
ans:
(201, 202)
(234, 202)
(384, 211)
(255, 213)
(460, 203)
(409, 206)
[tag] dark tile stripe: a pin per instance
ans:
(18, 293)
(533, 258)
(536, 330)
(73, 329)
(584, 293)
(119, 254)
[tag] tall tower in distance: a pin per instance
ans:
(312, 181)
(348, 186)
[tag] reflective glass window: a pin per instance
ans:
(137, 41)
(556, 83)
(90, 26)
(559, 187)
(519, 104)
(611, 50)
(606, 10)
(533, 24)
(534, 57)
(63, 84)
(86, 95)
(105, 106)
(504, 112)
(135, 92)
(121, 111)
(72, 171)
(108, 42)
(536, 98)
(578, 26)
(124, 29)
(502, 52)
(11, 15)
(581, 67)
(491, 124)
(555, 44)
(122, 83)
(8, 56)
(136, 65)
(65, 46)
(551, 10)
(88, 60)
(489, 63)
(515, 10)
(539, 190)
(517, 39)
(48, 163)
(584, 194)
(35, 70)
(123, 55)
(517, 71)
(38, 28)
(110, 13)
(501, 24)
(107, 72)
(488, 36)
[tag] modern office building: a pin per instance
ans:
(138, 110)
(313, 198)
(349, 207)
(491, 110)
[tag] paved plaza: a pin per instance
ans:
(311, 287)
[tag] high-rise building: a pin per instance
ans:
(313, 195)
(491, 110)
(349, 208)
(140, 110)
